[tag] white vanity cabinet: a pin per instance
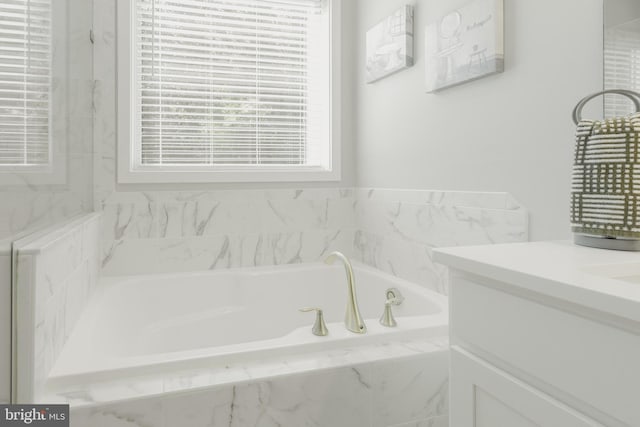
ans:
(543, 334)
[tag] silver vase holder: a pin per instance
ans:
(604, 242)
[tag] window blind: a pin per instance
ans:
(229, 82)
(622, 66)
(25, 67)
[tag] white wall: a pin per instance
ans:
(511, 132)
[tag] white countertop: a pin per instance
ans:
(594, 278)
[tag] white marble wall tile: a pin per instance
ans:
(394, 230)
(209, 217)
(125, 257)
(341, 213)
(59, 259)
(132, 198)
(75, 295)
(490, 200)
(222, 229)
(193, 381)
(430, 422)
(28, 208)
(139, 413)
(183, 254)
(104, 100)
(240, 195)
(338, 398)
(409, 260)
(133, 221)
(50, 337)
(441, 225)
(204, 409)
(126, 221)
(366, 247)
(309, 193)
(307, 246)
(410, 389)
(60, 277)
(295, 214)
(227, 251)
(397, 233)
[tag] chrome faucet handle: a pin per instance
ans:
(387, 318)
(319, 327)
(394, 296)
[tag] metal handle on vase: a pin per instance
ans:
(633, 96)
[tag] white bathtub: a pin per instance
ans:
(140, 324)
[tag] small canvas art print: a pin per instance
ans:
(390, 45)
(465, 44)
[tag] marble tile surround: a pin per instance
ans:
(183, 231)
(397, 230)
(56, 273)
(392, 230)
(146, 231)
(409, 387)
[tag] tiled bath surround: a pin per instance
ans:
(55, 273)
(398, 229)
(401, 390)
(186, 231)
(392, 230)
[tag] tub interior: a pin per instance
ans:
(167, 313)
(139, 321)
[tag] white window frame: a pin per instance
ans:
(127, 132)
(55, 173)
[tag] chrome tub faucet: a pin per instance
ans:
(352, 320)
(394, 297)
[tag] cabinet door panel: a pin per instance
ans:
(593, 362)
(485, 396)
(492, 412)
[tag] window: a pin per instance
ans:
(227, 90)
(25, 68)
(622, 66)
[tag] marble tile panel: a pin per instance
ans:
(138, 413)
(57, 271)
(182, 254)
(430, 422)
(307, 246)
(410, 389)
